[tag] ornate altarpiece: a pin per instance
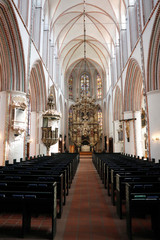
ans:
(84, 127)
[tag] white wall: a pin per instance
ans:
(4, 109)
(25, 38)
(36, 145)
(138, 133)
(118, 146)
(33, 134)
(41, 147)
(11, 146)
(54, 148)
(146, 40)
(154, 122)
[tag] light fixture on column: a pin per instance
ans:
(156, 138)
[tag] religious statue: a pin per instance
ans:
(128, 130)
(143, 118)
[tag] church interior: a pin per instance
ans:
(79, 93)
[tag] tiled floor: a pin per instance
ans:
(88, 214)
(10, 227)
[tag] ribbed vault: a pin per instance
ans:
(103, 21)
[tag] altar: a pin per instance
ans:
(85, 131)
(85, 148)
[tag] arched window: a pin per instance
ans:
(100, 118)
(70, 84)
(84, 84)
(99, 87)
(70, 119)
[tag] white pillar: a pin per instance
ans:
(13, 125)
(154, 123)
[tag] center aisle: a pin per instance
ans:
(88, 215)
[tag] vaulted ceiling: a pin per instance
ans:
(103, 19)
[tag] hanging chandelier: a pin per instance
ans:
(84, 27)
(85, 58)
(84, 127)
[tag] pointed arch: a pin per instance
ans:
(11, 51)
(117, 104)
(37, 87)
(99, 86)
(153, 74)
(133, 87)
(100, 117)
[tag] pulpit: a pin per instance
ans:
(50, 124)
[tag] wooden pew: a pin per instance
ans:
(48, 165)
(113, 170)
(105, 162)
(108, 168)
(142, 199)
(45, 168)
(127, 171)
(39, 200)
(121, 181)
(38, 178)
(35, 170)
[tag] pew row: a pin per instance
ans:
(29, 202)
(142, 199)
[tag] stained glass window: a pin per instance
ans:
(70, 118)
(70, 112)
(84, 84)
(100, 118)
(99, 86)
(70, 83)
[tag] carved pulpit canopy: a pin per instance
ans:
(51, 112)
(50, 120)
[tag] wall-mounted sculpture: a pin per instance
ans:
(18, 106)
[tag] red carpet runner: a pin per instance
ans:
(89, 216)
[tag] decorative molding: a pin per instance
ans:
(83, 123)
(49, 131)
(19, 102)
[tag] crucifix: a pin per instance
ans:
(127, 121)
